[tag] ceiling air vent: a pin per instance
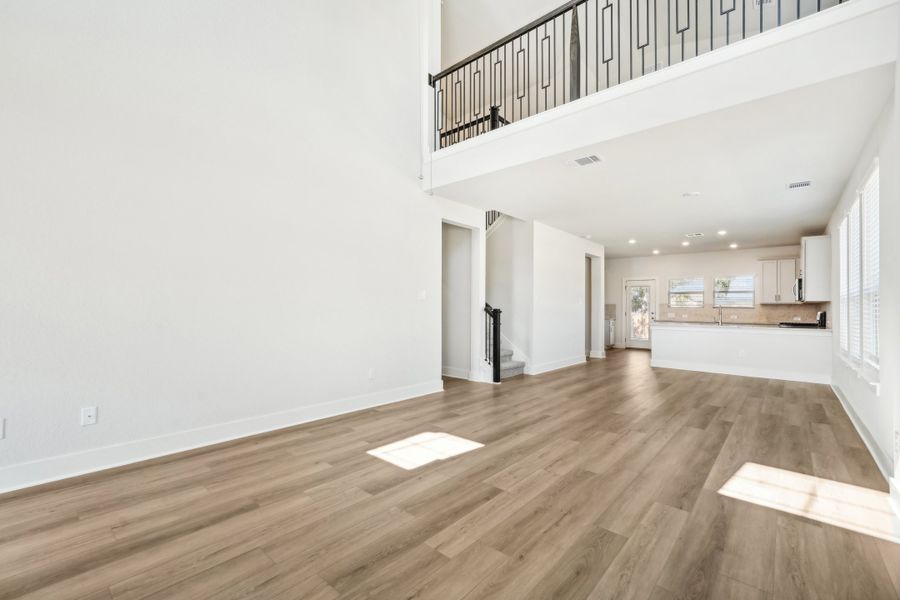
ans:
(796, 185)
(693, 235)
(585, 161)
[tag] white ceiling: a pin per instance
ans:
(739, 159)
(467, 26)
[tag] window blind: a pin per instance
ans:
(843, 307)
(734, 292)
(870, 266)
(854, 281)
(686, 292)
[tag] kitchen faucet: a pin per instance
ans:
(719, 319)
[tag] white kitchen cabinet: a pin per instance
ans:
(779, 277)
(815, 268)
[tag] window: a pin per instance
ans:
(843, 307)
(686, 293)
(859, 280)
(734, 292)
(870, 279)
(855, 266)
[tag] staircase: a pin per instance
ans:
(508, 366)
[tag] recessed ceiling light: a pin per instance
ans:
(690, 194)
(685, 243)
(656, 252)
(632, 241)
(586, 236)
(722, 232)
(733, 246)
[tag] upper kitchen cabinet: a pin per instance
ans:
(815, 268)
(779, 281)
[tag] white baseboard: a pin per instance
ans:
(552, 366)
(33, 473)
(598, 353)
(455, 372)
(881, 459)
(895, 496)
(742, 371)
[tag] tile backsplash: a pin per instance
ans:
(610, 310)
(761, 314)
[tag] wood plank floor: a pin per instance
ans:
(597, 481)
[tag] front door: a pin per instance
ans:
(639, 312)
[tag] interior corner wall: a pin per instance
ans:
(194, 242)
(873, 414)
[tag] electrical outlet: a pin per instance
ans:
(372, 374)
(88, 416)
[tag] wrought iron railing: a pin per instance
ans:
(491, 217)
(587, 46)
(492, 339)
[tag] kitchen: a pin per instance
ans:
(759, 312)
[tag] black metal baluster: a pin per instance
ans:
(696, 27)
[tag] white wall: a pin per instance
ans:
(456, 305)
(665, 267)
(873, 412)
(536, 276)
(204, 231)
(510, 281)
(890, 291)
(559, 296)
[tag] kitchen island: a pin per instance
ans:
(766, 351)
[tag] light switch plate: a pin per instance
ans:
(2, 428)
(88, 416)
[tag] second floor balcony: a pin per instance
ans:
(589, 46)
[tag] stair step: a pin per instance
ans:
(505, 354)
(511, 368)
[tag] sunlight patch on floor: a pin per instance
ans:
(424, 448)
(852, 507)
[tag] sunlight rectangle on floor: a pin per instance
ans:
(421, 449)
(844, 505)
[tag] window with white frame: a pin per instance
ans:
(870, 271)
(686, 292)
(734, 292)
(844, 304)
(859, 280)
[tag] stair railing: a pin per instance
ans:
(492, 339)
(587, 46)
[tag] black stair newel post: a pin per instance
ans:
(495, 359)
(495, 117)
(575, 57)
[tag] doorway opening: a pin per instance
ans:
(456, 301)
(640, 296)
